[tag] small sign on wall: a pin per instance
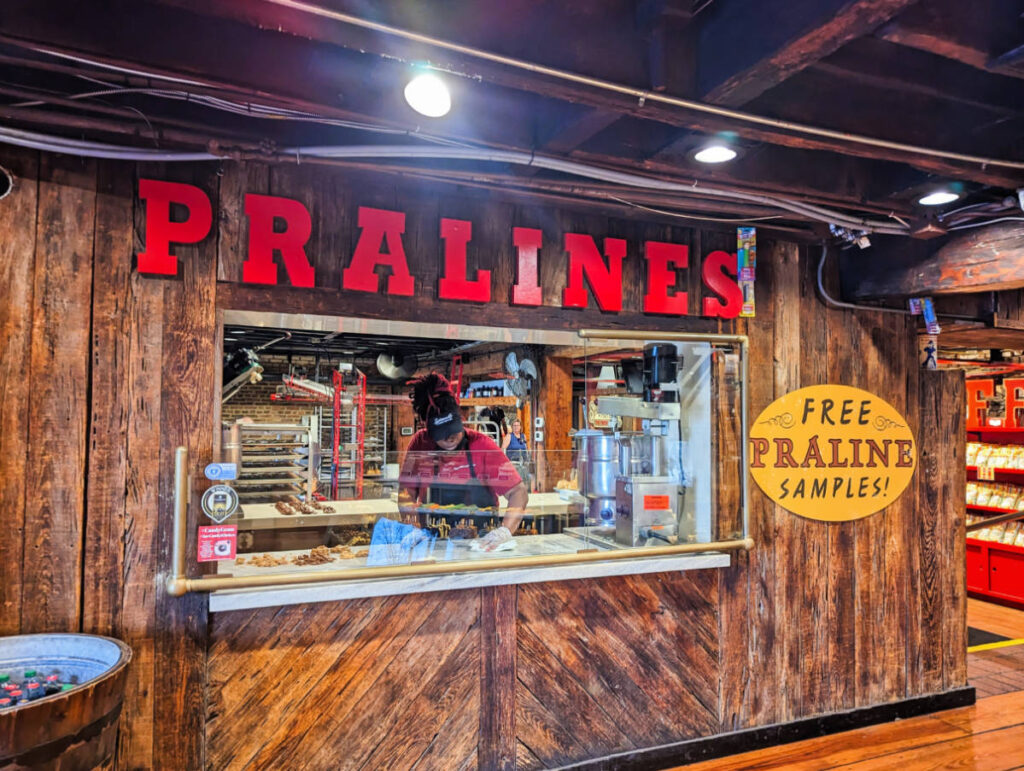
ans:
(217, 542)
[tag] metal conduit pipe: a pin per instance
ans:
(640, 94)
(840, 305)
(100, 150)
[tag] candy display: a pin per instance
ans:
(995, 455)
(1008, 533)
(318, 555)
(32, 685)
(996, 496)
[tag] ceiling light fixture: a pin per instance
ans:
(938, 198)
(428, 95)
(716, 153)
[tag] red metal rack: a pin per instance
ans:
(359, 406)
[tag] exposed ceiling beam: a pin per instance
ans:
(394, 49)
(974, 33)
(890, 67)
(985, 259)
(746, 48)
(575, 131)
(310, 75)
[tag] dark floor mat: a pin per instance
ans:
(981, 637)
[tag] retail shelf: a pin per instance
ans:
(488, 401)
(278, 469)
(993, 510)
(1008, 472)
(1000, 430)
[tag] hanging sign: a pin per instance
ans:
(746, 268)
(832, 452)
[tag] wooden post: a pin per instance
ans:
(554, 457)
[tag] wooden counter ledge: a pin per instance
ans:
(242, 599)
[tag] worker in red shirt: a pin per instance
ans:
(448, 464)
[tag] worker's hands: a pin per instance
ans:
(495, 539)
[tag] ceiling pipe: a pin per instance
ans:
(641, 95)
(832, 302)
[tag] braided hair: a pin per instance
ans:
(432, 395)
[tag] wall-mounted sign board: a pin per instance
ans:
(832, 452)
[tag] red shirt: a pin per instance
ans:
(424, 457)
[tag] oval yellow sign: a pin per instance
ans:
(832, 452)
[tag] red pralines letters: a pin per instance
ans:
(591, 269)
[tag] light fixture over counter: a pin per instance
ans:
(428, 95)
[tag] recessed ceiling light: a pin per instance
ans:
(714, 154)
(428, 95)
(938, 198)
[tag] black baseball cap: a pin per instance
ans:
(444, 425)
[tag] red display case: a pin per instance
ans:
(995, 570)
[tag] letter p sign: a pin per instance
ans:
(161, 232)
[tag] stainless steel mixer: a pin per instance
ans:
(597, 468)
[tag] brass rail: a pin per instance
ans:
(178, 583)
(1009, 516)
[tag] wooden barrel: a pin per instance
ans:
(70, 731)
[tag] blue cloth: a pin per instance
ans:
(395, 543)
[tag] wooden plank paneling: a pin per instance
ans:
(497, 722)
(378, 683)
(872, 636)
(946, 391)
(236, 180)
(762, 705)
(790, 529)
(58, 405)
(843, 576)
(933, 589)
(734, 582)
(616, 664)
(813, 547)
(138, 620)
(816, 619)
(895, 380)
(186, 419)
(556, 406)
(17, 263)
(102, 577)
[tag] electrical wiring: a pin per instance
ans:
(641, 95)
(682, 215)
(247, 109)
(607, 175)
(840, 305)
(821, 214)
(99, 150)
(988, 222)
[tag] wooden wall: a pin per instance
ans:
(103, 373)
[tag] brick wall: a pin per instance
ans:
(253, 399)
